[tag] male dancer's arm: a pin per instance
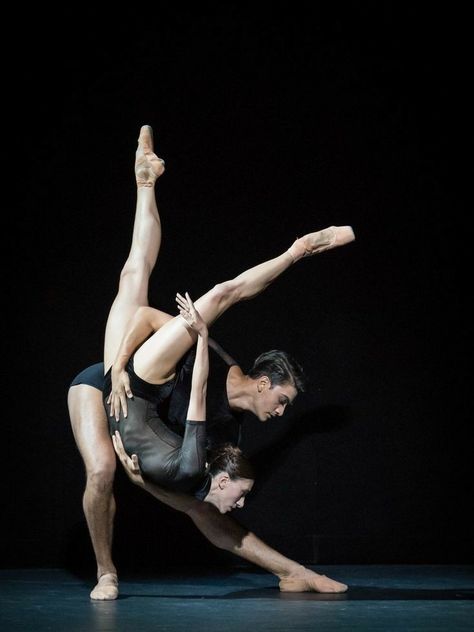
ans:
(175, 500)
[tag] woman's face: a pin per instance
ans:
(231, 493)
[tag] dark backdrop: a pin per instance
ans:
(272, 126)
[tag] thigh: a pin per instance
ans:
(155, 361)
(90, 427)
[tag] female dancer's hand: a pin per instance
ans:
(190, 314)
(130, 464)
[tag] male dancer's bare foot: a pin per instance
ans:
(106, 588)
(308, 581)
(148, 167)
(322, 240)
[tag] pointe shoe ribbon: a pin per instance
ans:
(320, 241)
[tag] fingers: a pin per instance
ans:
(123, 404)
(136, 467)
(186, 308)
(182, 302)
(190, 302)
(185, 302)
(116, 446)
(118, 402)
(117, 439)
(130, 463)
(113, 407)
(126, 387)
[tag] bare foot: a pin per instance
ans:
(320, 241)
(148, 167)
(106, 588)
(308, 581)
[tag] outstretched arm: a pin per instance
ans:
(144, 322)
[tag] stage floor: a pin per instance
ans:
(389, 597)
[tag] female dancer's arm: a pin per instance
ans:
(197, 399)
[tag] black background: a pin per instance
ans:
(272, 125)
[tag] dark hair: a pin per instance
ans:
(280, 368)
(230, 459)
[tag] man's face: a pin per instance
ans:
(272, 401)
(232, 493)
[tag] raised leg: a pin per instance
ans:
(146, 241)
(91, 432)
(86, 409)
(157, 357)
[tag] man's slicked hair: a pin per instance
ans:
(280, 368)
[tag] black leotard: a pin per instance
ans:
(172, 454)
(165, 457)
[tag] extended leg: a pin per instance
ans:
(157, 356)
(91, 432)
(225, 533)
(222, 531)
(88, 417)
(146, 241)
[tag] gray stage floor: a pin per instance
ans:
(404, 598)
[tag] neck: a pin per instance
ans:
(212, 495)
(240, 390)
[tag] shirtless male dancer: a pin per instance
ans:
(172, 340)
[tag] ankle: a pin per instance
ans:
(106, 570)
(297, 250)
(145, 184)
(296, 570)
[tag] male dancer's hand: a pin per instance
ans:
(121, 390)
(130, 464)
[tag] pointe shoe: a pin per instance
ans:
(322, 240)
(312, 583)
(148, 167)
